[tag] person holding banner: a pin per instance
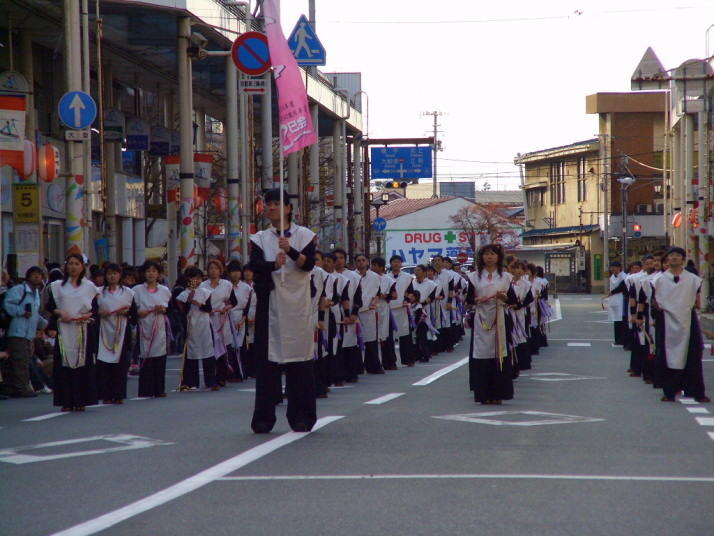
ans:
(282, 258)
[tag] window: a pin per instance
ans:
(658, 191)
(557, 183)
(582, 180)
(535, 197)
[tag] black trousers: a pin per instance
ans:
(619, 331)
(422, 342)
(638, 354)
(491, 381)
(152, 376)
(389, 355)
(523, 355)
(371, 358)
(352, 362)
(407, 351)
(235, 369)
(111, 380)
(190, 376)
(300, 390)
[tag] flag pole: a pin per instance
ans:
(282, 206)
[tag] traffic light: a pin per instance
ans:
(395, 184)
(636, 230)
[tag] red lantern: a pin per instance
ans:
(677, 220)
(48, 162)
(30, 159)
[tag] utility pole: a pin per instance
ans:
(437, 147)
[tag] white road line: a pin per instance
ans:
(697, 410)
(190, 484)
(711, 435)
(141, 398)
(442, 372)
(633, 478)
(706, 421)
(686, 400)
(46, 416)
(383, 399)
(590, 340)
(587, 344)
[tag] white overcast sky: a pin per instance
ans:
(509, 76)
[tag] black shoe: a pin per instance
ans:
(301, 427)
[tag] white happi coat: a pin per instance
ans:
(318, 279)
(435, 308)
(290, 319)
(425, 288)
(614, 302)
(486, 324)
(676, 300)
(199, 340)
(385, 284)
(112, 328)
(446, 278)
(401, 283)
(536, 287)
(243, 293)
(349, 335)
(369, 284)
(76, 301)
(520, 334)
(220, 298)
(334, 285)
(152, 327)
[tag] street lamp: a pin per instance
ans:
(378, 202)
(625, 183)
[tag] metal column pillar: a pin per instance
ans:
(187, 238)
(358, 194)
(690, 184)
(266, 118)
(293, 184)
(74, 224)
(231, 150)
(702, 197)
(339, 179)
(313, 220)
(171, 207)
(244, 176)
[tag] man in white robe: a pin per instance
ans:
(615, 302)
(369, 289)
(679, 339)
(284, 324)
(403, 331)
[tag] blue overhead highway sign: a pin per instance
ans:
(401, 162)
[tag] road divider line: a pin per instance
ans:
(584, 344)
(384, 399)
(711, 435)
(441, 372)
(190, 484)
(46, 416)
(625, 478)
(705, 421)
(697, 410)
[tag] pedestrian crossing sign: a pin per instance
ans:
(305, 45)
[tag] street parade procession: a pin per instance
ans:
(297, 312)
(266, 269)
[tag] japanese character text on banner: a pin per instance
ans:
(296, 128)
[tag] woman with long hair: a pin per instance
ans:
(152, 302)
(519, 335)
(490, 369)
(116, 312)
(222, 301)
(73, 304)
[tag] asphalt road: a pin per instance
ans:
(583, 450)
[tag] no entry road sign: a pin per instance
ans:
(250, 53)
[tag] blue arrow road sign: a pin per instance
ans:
(77, 109)
(306, 46)
(379, 224)
(401, 162)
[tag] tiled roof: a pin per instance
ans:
(401, 207)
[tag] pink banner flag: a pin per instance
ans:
(296, 129)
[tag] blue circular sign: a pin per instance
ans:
(77, 109)
(251, 54)
(379, 224)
